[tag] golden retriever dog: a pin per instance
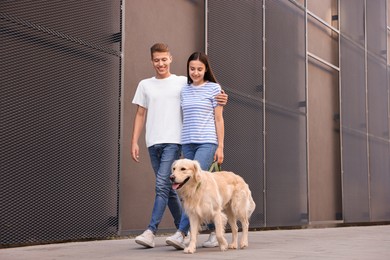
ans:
(215, 197)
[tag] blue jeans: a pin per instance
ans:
(204, 154)
(162, 156)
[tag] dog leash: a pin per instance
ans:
(215, 167)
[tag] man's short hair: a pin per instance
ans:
(159, 47)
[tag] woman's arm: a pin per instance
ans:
(220, 128)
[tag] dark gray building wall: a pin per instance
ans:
(59, 89)
(307, 124)
(314, 95)
(365, 110)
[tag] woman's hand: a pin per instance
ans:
(218, 156)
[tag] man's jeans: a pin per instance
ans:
(162, 156)
(204, 154)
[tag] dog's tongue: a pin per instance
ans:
(175, 186)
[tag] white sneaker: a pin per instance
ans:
(211, 241)
(176, 240)
(146, 239)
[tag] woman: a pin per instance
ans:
(202, 135)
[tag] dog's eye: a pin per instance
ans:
(173, 168)
(183, 169)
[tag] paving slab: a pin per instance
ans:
(360, 242)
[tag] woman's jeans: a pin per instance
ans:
(162, 156)
(204, 154)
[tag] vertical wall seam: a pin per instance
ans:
(307, 114)
(367, 122)
(264, 118)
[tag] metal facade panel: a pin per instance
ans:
(353, 112)
(235, 48)
(354, 132)
(355, 177)
(353, 87)
(377, 69)
(376, 28)
(377, 98)
(365, 111)
(378, 104)
(378, 124)
(285, 119)
(379, 179)
(60, 120)
(352, 20)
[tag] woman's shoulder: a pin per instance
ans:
(214, 85)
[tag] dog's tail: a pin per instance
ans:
(252, 205)
(243, 204)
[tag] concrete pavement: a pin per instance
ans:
(362, 242)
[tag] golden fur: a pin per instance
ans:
(213, 197)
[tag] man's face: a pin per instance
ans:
(161, 63)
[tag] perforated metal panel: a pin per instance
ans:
(363, 101)
(60, 88)
(365, 114)
(378, 113)
(235, 48)
(285, 120)
(353, 112)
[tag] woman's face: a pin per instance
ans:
(197, 70)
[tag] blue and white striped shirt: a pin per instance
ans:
(198, 103)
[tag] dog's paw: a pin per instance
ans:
(243, 245)
(189, 250)
(223, 246)
(233, 246)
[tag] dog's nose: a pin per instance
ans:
(172, 177)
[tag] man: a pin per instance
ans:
(158, 104)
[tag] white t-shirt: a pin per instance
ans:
(161, 98)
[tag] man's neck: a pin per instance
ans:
(158, 76)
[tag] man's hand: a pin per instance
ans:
(222, 98)
(135, 152)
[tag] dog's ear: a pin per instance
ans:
(197, 170)
(173, 165)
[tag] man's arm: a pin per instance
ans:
(139, 121)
